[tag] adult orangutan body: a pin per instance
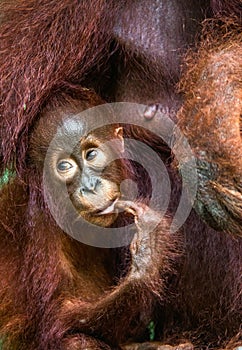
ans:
(58, 293)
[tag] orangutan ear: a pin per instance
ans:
(118, 133)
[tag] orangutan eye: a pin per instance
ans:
(91, 154)
(64, 166)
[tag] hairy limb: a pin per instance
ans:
(78, 342)
(156, 346)
(136, 293)
(211, 120)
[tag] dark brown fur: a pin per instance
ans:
(50, 282)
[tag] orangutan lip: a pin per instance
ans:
(110, 209)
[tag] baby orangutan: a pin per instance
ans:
(76, 290)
